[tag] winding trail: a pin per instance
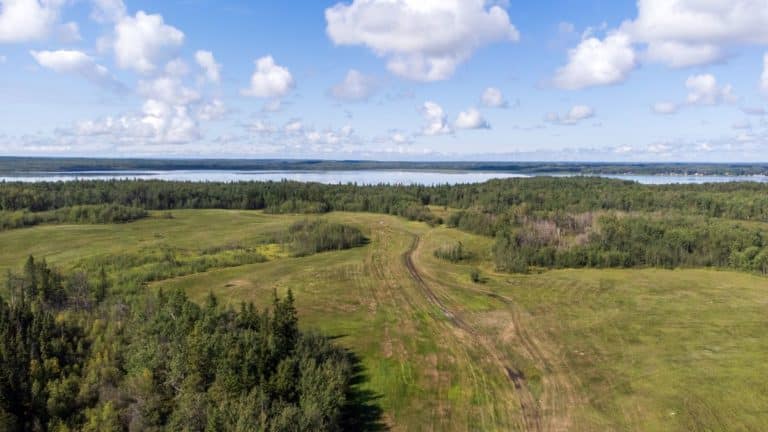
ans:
(529, 406)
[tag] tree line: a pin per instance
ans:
(535, 196)
(636, 240)
(78, 214)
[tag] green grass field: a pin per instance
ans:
(585, 350)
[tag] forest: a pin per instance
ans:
(73, 357)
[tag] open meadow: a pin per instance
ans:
(457, 345)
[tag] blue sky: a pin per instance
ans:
(652, 80)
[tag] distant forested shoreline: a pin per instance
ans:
(22, 165)
(551, 222)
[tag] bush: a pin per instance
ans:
(475, 276)
(453, 252)
(312, 236)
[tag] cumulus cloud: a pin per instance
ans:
(270, 80)
(169, 90)
(436, 121)
(421, 40)
(596, 62)
(27, 20)
(78, 63)
(356, 87)
(665, 107)
(704, 90)
(677, 33)
(170, 115)
(681, 55)
(576, 114)
(684, 33)
(207, 62)
(157, 123)
(143, 41)
(493, 98)
(471, 119)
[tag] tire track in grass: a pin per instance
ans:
(528, 404)
(390, 276)
(560, 395)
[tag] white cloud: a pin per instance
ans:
(764, 76)
(27, 20)
(576, 114)
(208, 63)
(78, 63)
(169, 90)
(157, 123)
(681, 55)
(597, 62)
(170, 115)
(704, 90)
(493, 98)
(471, 119)
(435, 118)
(213, 110)
(683, 33)
(169, 123)
(665, 107)
(677, 33)
(270, 80)
(144, 40)
(355, 87)
(421, 40)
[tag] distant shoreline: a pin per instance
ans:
(10, 166)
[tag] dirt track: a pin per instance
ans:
(528, 404)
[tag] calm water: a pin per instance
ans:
(359, 177)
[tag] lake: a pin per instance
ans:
(363, 177)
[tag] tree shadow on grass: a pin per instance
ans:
(362, 412)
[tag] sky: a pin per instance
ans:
(561, 80)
